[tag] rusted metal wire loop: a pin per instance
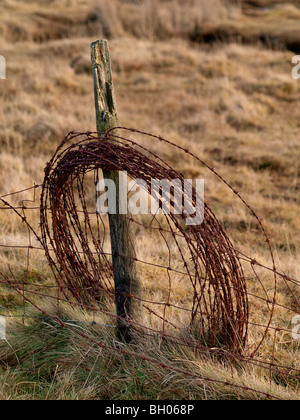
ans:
(218, 294)
(198, 271)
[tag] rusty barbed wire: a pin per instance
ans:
(219, 304)
(198, 270)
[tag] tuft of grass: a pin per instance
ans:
(43, 360)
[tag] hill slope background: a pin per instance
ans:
(213, 76)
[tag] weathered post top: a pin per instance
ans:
(105, 101)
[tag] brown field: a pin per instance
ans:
(213, 76)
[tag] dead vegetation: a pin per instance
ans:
(233, 103)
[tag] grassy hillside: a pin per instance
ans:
(214, 77)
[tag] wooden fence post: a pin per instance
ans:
(123, 254)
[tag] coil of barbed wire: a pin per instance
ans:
(205, 257)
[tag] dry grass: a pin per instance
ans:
(73, 368)
(140, 18)
(273, 24)
(233, 105)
